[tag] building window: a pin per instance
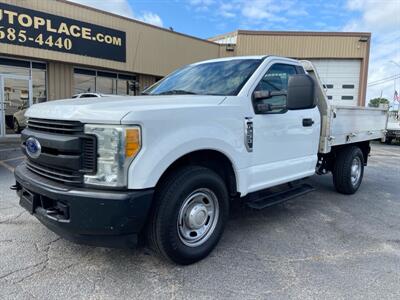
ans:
(125, 84)
(329, 97)
(37, 71)
(14, 67)
(347, 97)
(84, 81)
(39, 91)
(348, 86)
(103, 82)
(328, 86)
(16, 90)
(106, 83)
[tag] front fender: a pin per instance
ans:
(171, 144)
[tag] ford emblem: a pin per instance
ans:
(33, 147)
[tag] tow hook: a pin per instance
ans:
(15, 187)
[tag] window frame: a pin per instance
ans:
(295, 68)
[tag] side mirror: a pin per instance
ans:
(264, 108)
(300, 92)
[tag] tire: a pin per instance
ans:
(345, 177)
(179, 203)
(17, 128)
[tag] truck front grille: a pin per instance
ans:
(67, 152)
(55, 126)
(65, 176)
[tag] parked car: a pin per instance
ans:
(167, 165)
(19, 119)
(90, 95)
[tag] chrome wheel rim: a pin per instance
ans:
(355, 170)
(198, 217)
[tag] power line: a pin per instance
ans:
(384, 80)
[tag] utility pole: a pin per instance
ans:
(394, 83)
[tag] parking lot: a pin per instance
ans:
(321, 245)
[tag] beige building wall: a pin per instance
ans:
(302, 44)
(60, 80)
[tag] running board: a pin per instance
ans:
(269, 197)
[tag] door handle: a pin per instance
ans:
(308, 122)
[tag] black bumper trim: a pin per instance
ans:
(95, 217)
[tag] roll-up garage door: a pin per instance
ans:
(341, 79)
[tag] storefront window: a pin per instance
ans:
(106, 83)
(39, 93)
(14, 67)
(125, 84)
(36, 70)
(84, 81)
(15, 96)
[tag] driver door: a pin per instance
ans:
(285, 147)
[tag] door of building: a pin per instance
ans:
(15, 98)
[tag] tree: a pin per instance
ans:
(377, 101)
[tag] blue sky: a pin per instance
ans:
(207, 18)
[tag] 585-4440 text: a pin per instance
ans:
(21, 36)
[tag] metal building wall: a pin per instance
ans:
(302, 44)
(60, 80)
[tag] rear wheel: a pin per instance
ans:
(191, 209)
(348, 170)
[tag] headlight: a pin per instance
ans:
(117, 146)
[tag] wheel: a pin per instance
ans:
(17, 128)
(348, 170)
(190, 211)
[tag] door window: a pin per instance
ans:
(276, 80)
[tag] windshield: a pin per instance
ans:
(213, 78)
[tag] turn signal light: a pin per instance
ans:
(132, 142)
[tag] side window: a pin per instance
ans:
(276, 80)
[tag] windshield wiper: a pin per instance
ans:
(177, 92)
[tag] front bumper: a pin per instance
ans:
(87, 216)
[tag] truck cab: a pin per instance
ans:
(167, 164)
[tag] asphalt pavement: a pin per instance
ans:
(321, 245)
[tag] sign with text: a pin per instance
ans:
(31, 28)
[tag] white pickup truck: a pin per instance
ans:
(166, 165)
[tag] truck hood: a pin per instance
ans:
(112, 109)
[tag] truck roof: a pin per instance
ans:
(243, 57)
(230, 58)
